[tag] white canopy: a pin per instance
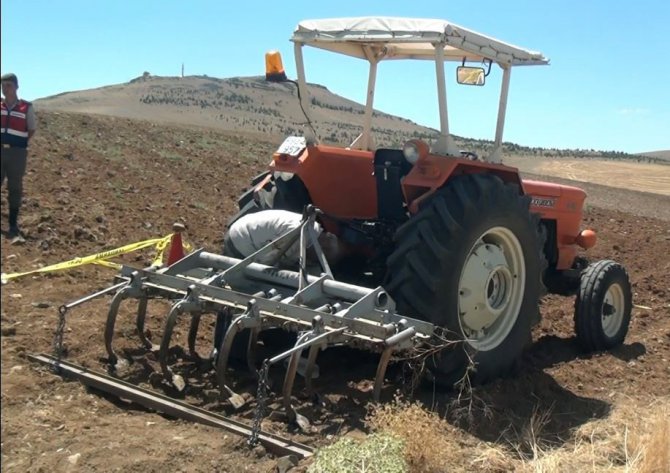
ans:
(409, 38)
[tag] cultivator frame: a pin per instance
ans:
(324, 311)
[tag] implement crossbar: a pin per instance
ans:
(271, 274)
(376, 325)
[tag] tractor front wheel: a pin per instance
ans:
(603, 306)
(470, 261)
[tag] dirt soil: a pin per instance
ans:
(96, 183)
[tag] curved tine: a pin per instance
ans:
(223, 321)
(167, 335)
(289, 379)
(111, 321)
(141, 316)
(309, 369)
(224, 353)
(251, 351)
(192, 335)
(381, 372)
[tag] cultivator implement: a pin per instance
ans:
(257, 297)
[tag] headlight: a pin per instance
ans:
(413, 150)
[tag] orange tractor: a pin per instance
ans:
(449, 253)
(456, 240)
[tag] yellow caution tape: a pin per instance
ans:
(162, 245)
(102, 257)
(160, 249)
(108, 264)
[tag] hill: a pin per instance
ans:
(248, 104)
(663, 155)
(253, 105)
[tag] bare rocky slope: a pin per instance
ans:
(253, 105)
(248, 104)
(664, 154)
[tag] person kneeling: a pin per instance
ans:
(254, 231)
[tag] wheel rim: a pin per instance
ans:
(612, 310)
(491, 288)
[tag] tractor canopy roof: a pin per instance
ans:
(409, 38)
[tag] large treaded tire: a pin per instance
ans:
(603, 306)
(429, 264)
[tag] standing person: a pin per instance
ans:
(18, 126)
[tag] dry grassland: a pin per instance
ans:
(644, 177)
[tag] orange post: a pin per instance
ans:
(176, 245)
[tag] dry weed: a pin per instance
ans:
(651, 446)
(431, 444)
(468, 408)
(633, 439)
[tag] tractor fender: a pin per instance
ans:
(433, 172)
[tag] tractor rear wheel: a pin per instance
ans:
(603, 306)
(470, 261)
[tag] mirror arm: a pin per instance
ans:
(488, 71)
(485, 61)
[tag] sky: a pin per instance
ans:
(605, 89)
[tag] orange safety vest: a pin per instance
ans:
(14, 130)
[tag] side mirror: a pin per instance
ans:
(470, 75)
(274, 69)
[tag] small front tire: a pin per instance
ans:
(603, 306)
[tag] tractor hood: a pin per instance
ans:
(409, 38)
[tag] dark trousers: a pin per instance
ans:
(13, 163)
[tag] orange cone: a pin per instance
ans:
(176, 245)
